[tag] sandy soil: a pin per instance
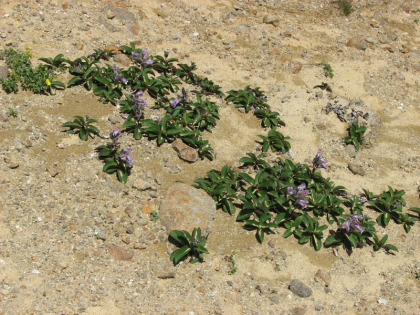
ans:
(56, 204)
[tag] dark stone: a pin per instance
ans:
(299, 288)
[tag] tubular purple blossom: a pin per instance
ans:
(174, 102)
(353, 223)
(319, 162)
(125, 156)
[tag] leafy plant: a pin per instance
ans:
(248, 98)
(12, 112)
(276, 141)
(56, 63)
(232, 261)
(324, 86)
(355, 135)
(116, 161)
(154, 215)
(346, 6)
(190, 245)
(328, 71)
(39, 80)
(83, 127)
(390, 204)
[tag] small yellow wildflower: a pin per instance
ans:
(48, 82)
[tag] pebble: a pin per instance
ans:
(298, 311)
(299, 288)
(273, 20)
(184, 151)
(11, 161)
(324, 276)
(382, 301)
(351, 151)
(357, 42)
(120, 253)
(356, 169)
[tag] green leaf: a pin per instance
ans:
(110, 165)
(201, 248)
(180, 253)
(74, 80)
(333, 239)
(83, 134)
(122, 175)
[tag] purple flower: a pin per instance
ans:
(319, 162)
(125, 156)
(115, 134)
(139, 93)
(174, 102)
(142, 58)
(299, 193)
(353, 223)
(118, 78)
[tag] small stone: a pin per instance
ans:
(351, 150)
(141, 185)
(120, 253)
(11, 161)
(318, 308)
(357, 42)
(272, 243)
(268, 19)
(275, 299)
(126, 240)
(113, 48)
(139, 246)
(53, 170)
(184, 151)
(382, 301)
(63, 264)
(307, 119)
(148, 209)
(114, 119)
(130, 230)
(122, 59)
(356, 169)
(299, 288)
(296, 67)
(130, 212)
(324, 276)
(164, 269)
(110, 15)
(298, 311)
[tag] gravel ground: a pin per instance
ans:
(74, 240)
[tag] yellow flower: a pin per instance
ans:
(48, 82)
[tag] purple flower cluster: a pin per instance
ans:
(118, 78)
(114, 135)
(353, 223)
(299, 193)
(125, 156)
(139, 105)
(319, 162)
(142, 58)
(174, 102)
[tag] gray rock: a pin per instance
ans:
(12, 161)
(356, 169)
(185, 207)
(163, 269)
(299, 288)
(351, 150)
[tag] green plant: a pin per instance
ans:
(82, 126)
(328, 71)
(276, 141)
(12, 112)
(190, 245)
(39, 80)
(154, 215)
(355, 135)
(58, 62)
(232, 262)
(116, 161)
(390, 204)
(346, 6)
(324, 86)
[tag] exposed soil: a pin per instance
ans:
(62, 217)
